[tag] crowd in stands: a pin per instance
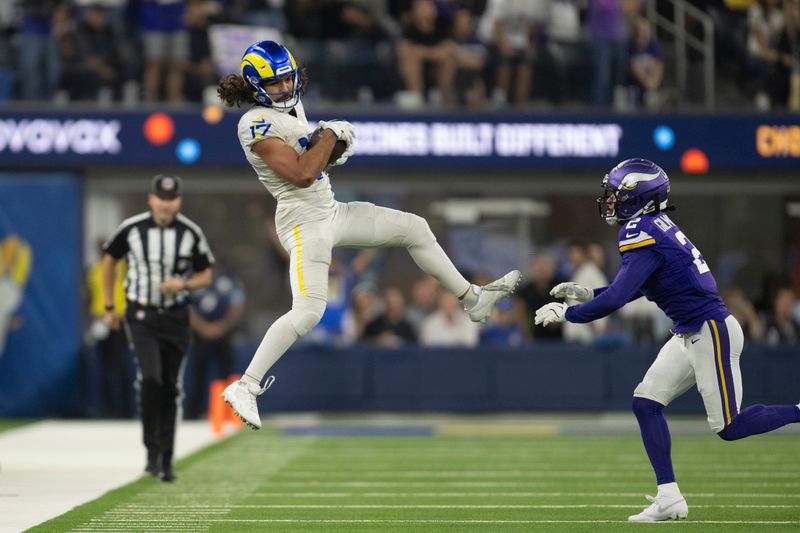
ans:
(471, 54)
(424, 314)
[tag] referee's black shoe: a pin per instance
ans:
(167, 475)
(153, 466)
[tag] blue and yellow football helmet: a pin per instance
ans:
(267, 61)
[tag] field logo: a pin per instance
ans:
(15, 268)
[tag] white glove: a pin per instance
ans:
(347, 153)
(552, 313)
(572, 291)
(343, 130)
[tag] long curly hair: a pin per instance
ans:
(235, 91)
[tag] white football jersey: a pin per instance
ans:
(295, 204)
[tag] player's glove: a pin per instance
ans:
(343, 130)
(572, 291)
(342, 158)
(552, 313)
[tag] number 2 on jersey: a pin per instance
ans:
(701, 265)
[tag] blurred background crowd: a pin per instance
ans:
(409, 54)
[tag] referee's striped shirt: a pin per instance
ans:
(155, 253)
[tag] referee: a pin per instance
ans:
(167, 256)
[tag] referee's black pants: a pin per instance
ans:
(160, 339)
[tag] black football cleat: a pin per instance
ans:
(153, 466)
(167, 475)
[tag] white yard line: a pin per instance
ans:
(179, 522)
(50, 467)
(170, 510)
(510, 495)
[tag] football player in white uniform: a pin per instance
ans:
(309, 221)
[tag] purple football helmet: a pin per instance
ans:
(632, 188)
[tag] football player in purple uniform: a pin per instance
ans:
(660, 263)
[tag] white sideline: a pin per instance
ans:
(50, 467)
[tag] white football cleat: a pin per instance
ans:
(241, 396)
(663, 508)
(491, 294)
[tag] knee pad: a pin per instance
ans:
(646, 407)
(418, 231)
(306, 313)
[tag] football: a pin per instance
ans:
(338, 148)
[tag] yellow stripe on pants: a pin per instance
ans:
(721, 372)
(299, 248)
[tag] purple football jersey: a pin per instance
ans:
(659, 262)
(683, 286)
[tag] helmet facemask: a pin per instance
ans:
(285, 99)
(607, 204)
(633, 188)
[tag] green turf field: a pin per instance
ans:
(264, 481)
(12, 423)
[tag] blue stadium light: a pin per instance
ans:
(664, 137)
(188, 151)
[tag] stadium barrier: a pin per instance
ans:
(553, 377)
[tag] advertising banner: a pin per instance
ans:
(40, 313)
(691, 143)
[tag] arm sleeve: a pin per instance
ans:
(601, 290)
(637, 266)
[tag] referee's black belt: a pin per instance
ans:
(157, 308)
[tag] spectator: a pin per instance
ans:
(512, 28)
(343, 276)
(166, 48)
(357, 52)
(534, 294)
(744, 312)
(200, 73)
(7, 28)
(214, 316)
(424, 293)
(643, 321)
(110, 345)
(503, 329)
(765, 21)
(607, 37)
(787, 72)
(91, 59)
(264, 13)
(426, 41)
(470, 61)
(645, 65)
(565, 44)
(43, 22)
(364, 307)
(587, 274)
(449, 325)
(781, 326)
(391, 329)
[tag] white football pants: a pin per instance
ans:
(353, 224)
(709, 359)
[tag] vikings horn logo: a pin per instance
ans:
(633, 179)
